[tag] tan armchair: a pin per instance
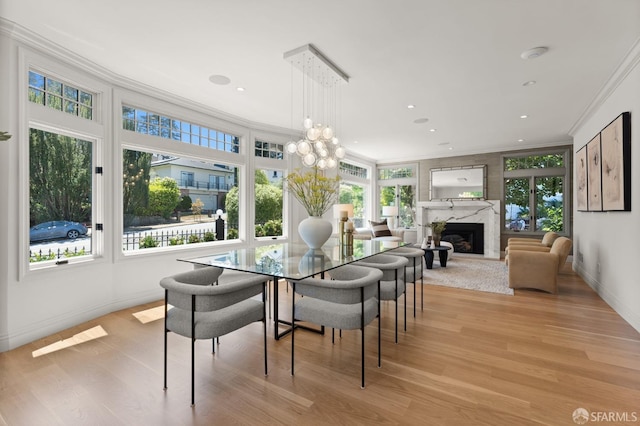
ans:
(537, 269)
(546, 241)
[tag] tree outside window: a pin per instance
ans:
(60, 196)
(534, 193)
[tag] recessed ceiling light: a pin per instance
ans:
(240, 89)
(420, 120)
(534, 52)
(411, 106)
(529, 83)
(450, 148)
(222, 80)
(355, 141)
(524, 116)
(520, 140)
(432, 130)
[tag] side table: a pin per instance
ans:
(442, 255)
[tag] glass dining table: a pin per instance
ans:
(293, 261)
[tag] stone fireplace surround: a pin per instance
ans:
(486, 212)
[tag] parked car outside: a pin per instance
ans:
(56, 229)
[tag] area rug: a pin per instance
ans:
(471, 274)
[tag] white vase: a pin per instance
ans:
(315, 231)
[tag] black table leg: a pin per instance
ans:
(428, 257)
(443, 257)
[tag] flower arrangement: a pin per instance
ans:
(438, 226)
(316, 192)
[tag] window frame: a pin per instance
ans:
(42, 117)
(127, 139)
(398, 182)
(348, 178)
(271, 143)
(532, 174)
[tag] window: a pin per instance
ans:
(44, 90)
(169, 201)
(352, 193)
(269, 150)
(534, 188)
(149, 123)
(63, 163)
(186, 179)
(355, 189)
(397, 187)
(353, 170)
(387, 173)
(60, 197)
(268, 203)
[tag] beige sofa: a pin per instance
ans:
(366, 234)
(535, 267)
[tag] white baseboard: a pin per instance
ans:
(625, 311)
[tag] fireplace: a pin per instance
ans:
(485, 212)
(465, 237)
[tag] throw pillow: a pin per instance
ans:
(380, 229)
(548, 239)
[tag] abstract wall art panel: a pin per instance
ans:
(616, 164)
(581, 180)
(594, 177)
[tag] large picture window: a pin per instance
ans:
(534, 189)
(171, 201)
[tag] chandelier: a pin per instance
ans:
(319, 89)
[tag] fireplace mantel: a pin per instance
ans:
(486, 212)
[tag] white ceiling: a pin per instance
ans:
(457, 61)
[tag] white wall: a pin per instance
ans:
(607, 245)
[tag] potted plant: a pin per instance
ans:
(437, 227)
(317, 193)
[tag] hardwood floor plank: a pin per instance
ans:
(467, 358)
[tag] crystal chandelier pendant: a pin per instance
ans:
(307, 123)
(327, 133)
(319, 145)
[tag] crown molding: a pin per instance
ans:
(622, 71)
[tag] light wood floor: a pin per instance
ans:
(470, 358)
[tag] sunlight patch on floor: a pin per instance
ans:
(85, 336)
(152, 314)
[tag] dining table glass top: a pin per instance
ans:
(294, 261)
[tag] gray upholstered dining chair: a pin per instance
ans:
(392, 284)
(413, 271)
(209, 302)
(347, 301)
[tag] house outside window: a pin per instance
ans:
(165, 205)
